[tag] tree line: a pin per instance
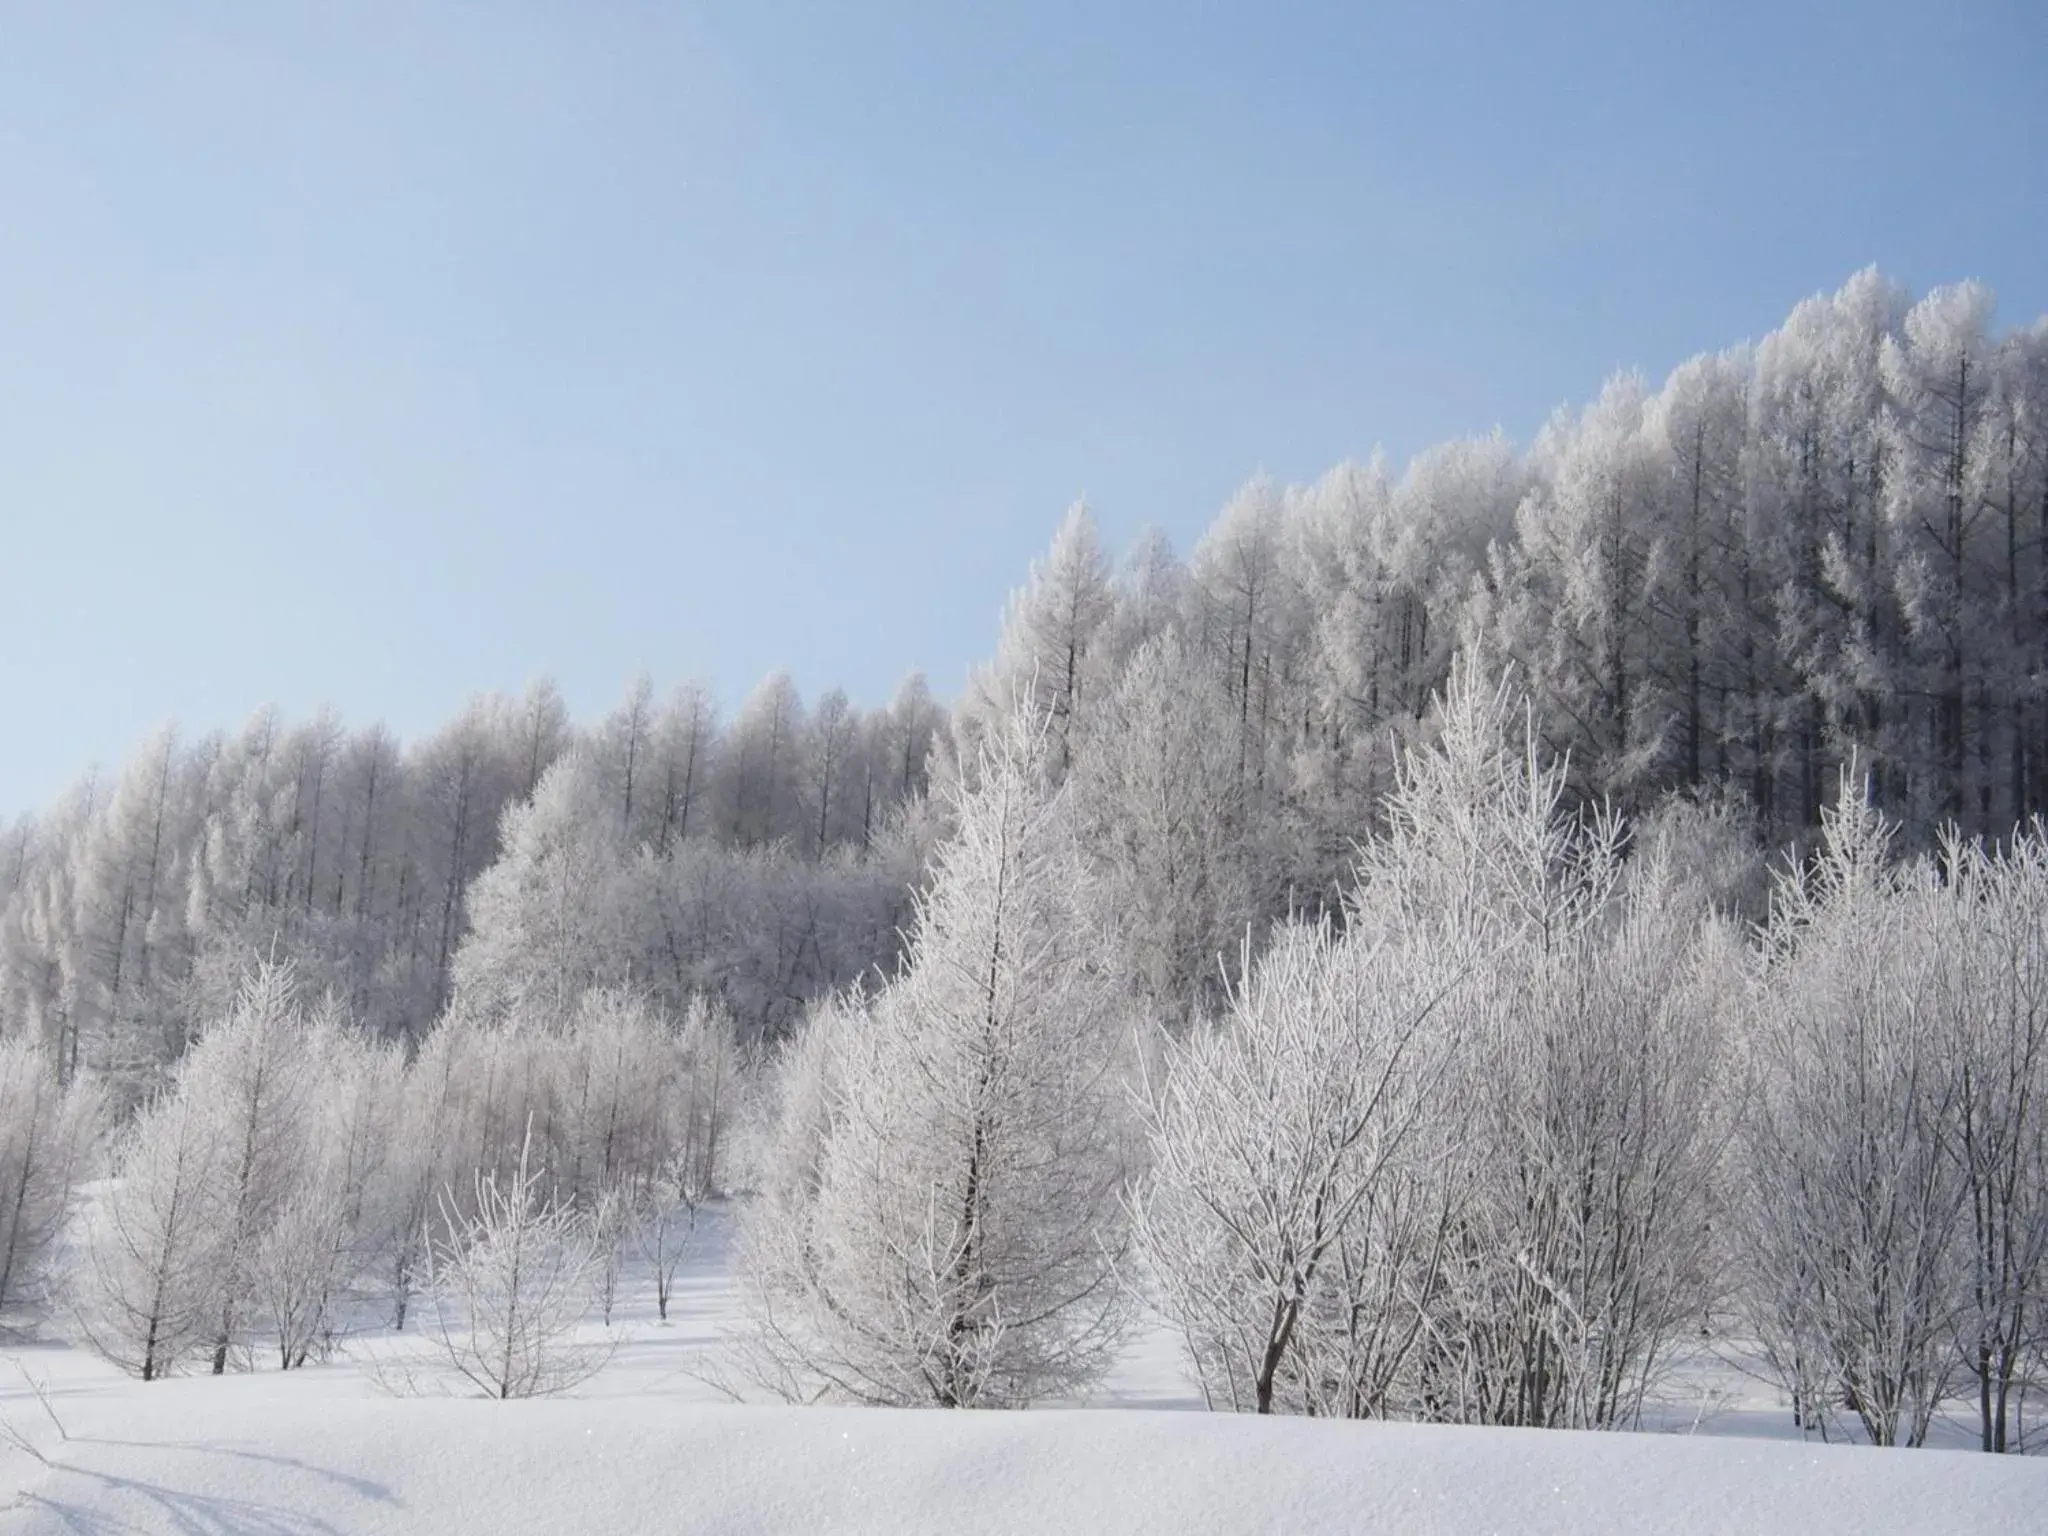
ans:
(1833, 542)
(770, 850)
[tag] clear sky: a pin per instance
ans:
(377, 353)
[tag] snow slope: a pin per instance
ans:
(177, 1462)
(648, 1444)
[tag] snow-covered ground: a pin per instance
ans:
(650, 1444)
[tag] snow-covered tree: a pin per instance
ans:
(146, 1290)
(763, 753)
(1581, 592)
(556, 914)
(955, 1241)
(620, 751)
(47, 1133)
(664, 1222)
(1282, 1140)
(251, 1081)
(685, 739)
(515, 1275)
(1851, 1205)
(1990, 969)
(1938, 378)
(335, 1227)
(1183, 875)
(1244, 616)
(1047, 651)
(1454, 1163)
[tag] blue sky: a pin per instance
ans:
(380, 353)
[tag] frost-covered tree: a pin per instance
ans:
(620, 1088)
(1148, 597)
(1991, 976)
(542, 733)
(776, 1250)
(146, 1291)
(620, 751)
(335, 1226)
(1938, 379)
(1281, 1142)
(1573, 1258)
(1182, 874)
(251, 1082)
(1820, 651)
(1697, 425)
(1245, 616)
(1502, 1217)
(1585, 1262)
(462, 778)
(1582, 590)
(557, 914)
(515, 1275)
(1384, 570)
(47, 1132)
(831, 773)
(763, 753)
(664, 1220)
(685, 740)
(430, 1135)
(952, 1241)
(124, 899)
(1851, 1205)
(1047, 651)
(903, 762)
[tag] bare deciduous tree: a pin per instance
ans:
(1852, 1205)
(512, 1281)
(667, 1220)
(1277, 1136)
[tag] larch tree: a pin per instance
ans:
(685, 737)
(464, 776)
(251, 1082)
(1582, 591)
(830, 772)
(1699, 425)
(953, 1242)
(124, 898)
(1047, 650)
(1938, 379)
(556, 914)
(1242, 604)
(515, 1274)
(623, 744)
(1166, 824)
(762, 755)
(47, 1132)
(146, 1291)
(335, 1225)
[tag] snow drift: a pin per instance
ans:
(190, 1457)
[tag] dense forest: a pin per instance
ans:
(1685, 760)
(1824, 545)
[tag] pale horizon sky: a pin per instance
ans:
(384, 353)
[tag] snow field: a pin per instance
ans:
(650, 1444)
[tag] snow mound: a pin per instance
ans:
(180, 1459)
